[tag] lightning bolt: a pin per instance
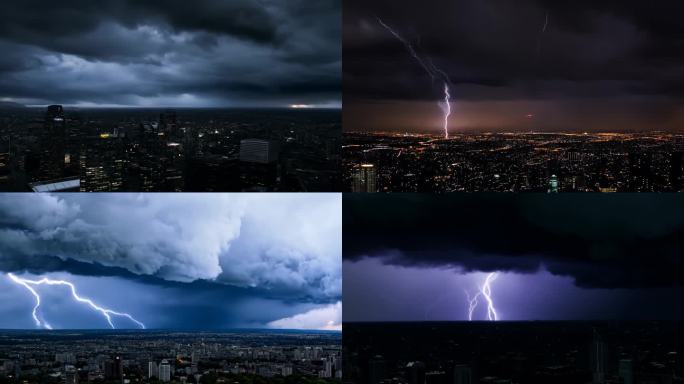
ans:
(541, 33)
(28, 284)
(431, 70)
(486, 292)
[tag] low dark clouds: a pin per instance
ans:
(616, 242)
(199, 53)
(591, 53)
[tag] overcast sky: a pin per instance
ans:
(203, 53)
(414, 257)
(198, 261)
(551, 65)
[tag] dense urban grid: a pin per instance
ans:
(73, 357)
(65, 149)
(514, 162)
(508, 353)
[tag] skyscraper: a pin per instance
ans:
(598, 359)
(258, 151)
(152, 370)
(626, 371)
(365, 178)
(165, 371)
(462, 374)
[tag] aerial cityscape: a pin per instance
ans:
(239, 356)
(514, 162)
(512, 288)
(197, 288)
(532, 96)
(128, 95)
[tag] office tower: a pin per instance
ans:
(436, 377)
(376, 370)
(70, 375)
(152, 370)
(365, 178)
(626, 371)
(462, 374)
(415, 372)
(258, 151)
(165, 371)
(113, 369)
(598, 359)
(553, 184)
(53, 142)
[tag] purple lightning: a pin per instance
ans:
(107, 313)
(486, 292)
(431, 70)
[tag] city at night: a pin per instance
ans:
(495, 96)
(488, 288)
(136, 95)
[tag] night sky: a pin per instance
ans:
(204, 53)
(543, 65)
(190, 261)
(414, 257)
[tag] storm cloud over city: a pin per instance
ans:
(211, 261)
(525, 65)
(207, 53)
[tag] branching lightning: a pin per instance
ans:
(486, 292)
(28, 284)
(431, 70)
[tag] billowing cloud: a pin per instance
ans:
(287, 244)
(327, 318)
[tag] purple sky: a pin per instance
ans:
(374, 291)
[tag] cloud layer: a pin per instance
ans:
(289, 245)
(145, 53)
(617, 242)
(327, 318)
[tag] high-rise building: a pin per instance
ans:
(626, 371)
(376, 370)
(113, 369)
(553, 184)
(152, 370)
(462, 374)
(165, 371)
(415, 372)
(598, 359)
(258, 151)
(70, 375)
(365, 178)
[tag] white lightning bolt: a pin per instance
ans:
(431, 70)
(486, 292)
(45, 281)
(447, 110)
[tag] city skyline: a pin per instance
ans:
(530, 66)
(511, 258)
(132, 53)
(170, 261)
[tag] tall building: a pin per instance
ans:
(462, 374)
(376, 370)
(626, 371)
(70, 375)
(598, 359)
(113, 369)
(152, 370)
(53, 143)
(258, 151)
(365, 178)
(553, 184)
(165, 371)
(415, 372)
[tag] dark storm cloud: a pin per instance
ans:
(490, 49)
(619, 241)
(199, 53)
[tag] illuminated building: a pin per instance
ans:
(365, 178)
(165, 371)
(152, 370)
(258, 151)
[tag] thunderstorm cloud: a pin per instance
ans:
(206, 53)
(274, 256)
